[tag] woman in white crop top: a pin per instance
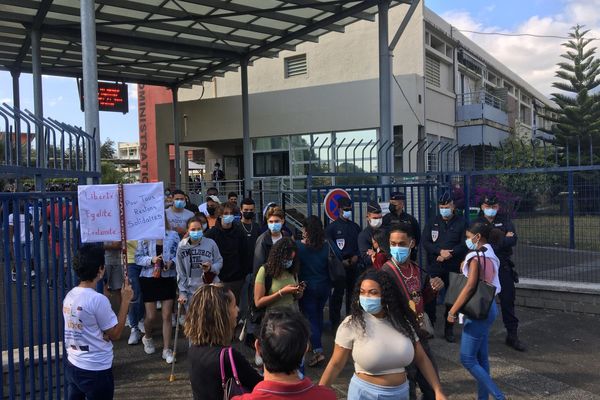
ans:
(380, 336)
(481, 263)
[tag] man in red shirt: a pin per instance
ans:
(282, 343)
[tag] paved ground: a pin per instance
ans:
(563, 363)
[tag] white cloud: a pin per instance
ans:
(7, 100)
(534, 59)
(55, 101)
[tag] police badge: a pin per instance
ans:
(434, 235)
(340, 243)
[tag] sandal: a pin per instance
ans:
(317, 359)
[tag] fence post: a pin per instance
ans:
(309, 195)
(467, 191)
(571, 210)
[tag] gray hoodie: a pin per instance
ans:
(189, 264)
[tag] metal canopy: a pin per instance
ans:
(168, 42)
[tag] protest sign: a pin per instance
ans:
(144, 211)
(99, 213)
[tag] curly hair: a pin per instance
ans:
(395, 307)
(207, 319)
(315, 235)
(281, 252)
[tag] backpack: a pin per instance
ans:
(256, 314)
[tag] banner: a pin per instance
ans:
(144, 213)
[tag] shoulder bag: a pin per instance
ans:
(478, 305)
(337, 272)
(231, 386)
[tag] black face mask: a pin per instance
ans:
(248, 214)
(392, 208)
(211, 210)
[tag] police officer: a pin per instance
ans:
(343, 236)
(506, 235)
(443, 241)
(398, 216)
(365, 238)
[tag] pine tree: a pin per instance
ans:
(579, 105)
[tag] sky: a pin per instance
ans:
(534, 59)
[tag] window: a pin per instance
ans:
(272, 164)
(295, 66)
(432, 71)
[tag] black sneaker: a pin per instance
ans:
(515, 343)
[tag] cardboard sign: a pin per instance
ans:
(99, 212)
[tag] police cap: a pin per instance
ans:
(344, 202)
(374, 207)
(397, 196)
(445, 199)
(490, 200)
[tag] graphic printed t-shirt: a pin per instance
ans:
(87, 315)
(178, 219)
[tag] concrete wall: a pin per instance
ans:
(477, 134)
(560, 296)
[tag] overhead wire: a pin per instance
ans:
(518, 34)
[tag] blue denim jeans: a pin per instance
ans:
(88, 385)
(312, 304)
(474, 354)
(136, 309)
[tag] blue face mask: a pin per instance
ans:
(372, 305)
(490, 212)
(400, 254)
(196, 235)
(347, 214)
(275, 227)
(445, 212)
(288, 264)
(179, 203)
(471, 245)
(228, 219)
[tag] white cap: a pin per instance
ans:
(214, 198)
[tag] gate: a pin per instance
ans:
(552, 194)
(39, 238)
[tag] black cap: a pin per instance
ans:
(490, 200)
(344, 202)
(397, 196)
(374, 207)
(445, 198)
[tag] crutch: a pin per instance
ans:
(172, 376)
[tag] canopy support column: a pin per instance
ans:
(386, 132)
(176, 137)
(247, 145)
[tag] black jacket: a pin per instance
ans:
(392, 219)
(343, 236)
(448, 235)
(232, 247)
(503, 250)
(364, 244)
(262, 249)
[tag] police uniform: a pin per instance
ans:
(343, 237)
(365, 237)
(506, 274)
(392, 219)
(440, 234)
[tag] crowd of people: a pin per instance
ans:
(268, 284)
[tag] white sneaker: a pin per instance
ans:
(167, 355)
(148, 345)
(134, 336)
(128, 322)
(158, 305)
(141, 326)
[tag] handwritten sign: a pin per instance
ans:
(99, 212)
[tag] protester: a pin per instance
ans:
(229, 237)
(286, 229)
(481, 263)
(380, 254)
(380, 335)
(198, 261)
(22, 243)
(232, 198)
(135, 317)
(502, 224)
(398, 215)
(212, 208)
(113, 271)
(204, 222)
(313, 252)
(416, 291)
(158, 281)
(189, 205)
(90, 328)
(444, 245)
(282, 343)
(211, 191)
(177, 215)
(275, 219)
(365, 237)
(168, 198)
(276, 282)
(343, 235)
(209, 325)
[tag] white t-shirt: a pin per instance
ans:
(178, 219)
(87, 316)
(492, 264)
(380, 350)
(23, 229)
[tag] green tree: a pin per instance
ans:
(578, 106)
(110, 173)
(107, 150)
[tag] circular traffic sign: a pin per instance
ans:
(330, 204)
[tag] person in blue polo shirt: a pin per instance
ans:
(343, 236)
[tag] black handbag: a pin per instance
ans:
(478, 305)
(337, 272)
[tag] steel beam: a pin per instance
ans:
(90, 80)
(404, 24)
(386, 131)
(176, 136)
(247, 145)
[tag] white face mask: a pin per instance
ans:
(375, 222)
